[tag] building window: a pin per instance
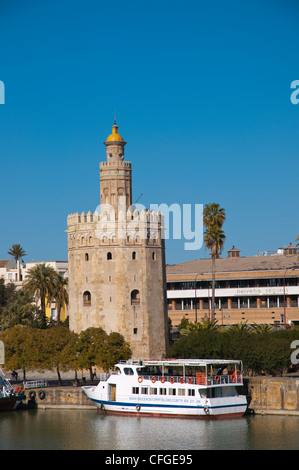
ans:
(153, 256)
(109, 255)
(135, 297)
(134, 255)
(86, 299)
(135, 331)
(86, 256)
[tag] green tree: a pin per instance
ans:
(18, 349)
(7, 294)
(213, 219)
(89, 345)
(18, 253)
(40, 282)
(60, 293)
(56, 354)
(113, 350)
(20, 311)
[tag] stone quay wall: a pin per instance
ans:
(273, 395)
(266, 395)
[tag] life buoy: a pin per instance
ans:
(140, 379)
(216, 379)
(181, 380)
(153, 379)
(172, 380)
(41, 394)
(233, 377)
(138, 407)
(17, 390)
(190, 380)
(162, 379)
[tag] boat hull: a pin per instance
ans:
(210, 410)
(9, 403)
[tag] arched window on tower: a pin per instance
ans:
(86, 299)
(86, 256)
(109, 255)
(134, 255)
(135, 297)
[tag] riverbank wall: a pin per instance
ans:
(65, 397)
(266, 395)
(273, 395)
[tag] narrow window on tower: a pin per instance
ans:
(86, 299)
(86, 256)
(134, 255)
(135, 298)
(109, 255)
(153, 256)
(135, 331)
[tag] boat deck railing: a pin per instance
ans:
(35, 384)
(199, 379)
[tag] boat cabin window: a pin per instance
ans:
(135, 390)
(191, 392)
(128, 371)
(171, 391)
(181, 391)
(149, 370)
(153, 391)
(144, 390)
(162, 391)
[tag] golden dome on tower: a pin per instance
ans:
(115, 136)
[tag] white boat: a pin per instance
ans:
(171, 387)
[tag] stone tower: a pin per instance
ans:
(116, 256)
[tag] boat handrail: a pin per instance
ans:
(214, 380)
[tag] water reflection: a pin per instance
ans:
(88, 430)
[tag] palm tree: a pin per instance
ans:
(213, 218)
(17, 252)
(40, 282)
(60, 294)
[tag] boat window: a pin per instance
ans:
(191, 392)
(135, 390)
(118, 371)
(153, 391)
(144, 390)
(181, 391)
(128, 371)
(162, 391)
(171, 391)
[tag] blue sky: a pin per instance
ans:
(201, 92)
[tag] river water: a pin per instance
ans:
(89, 430)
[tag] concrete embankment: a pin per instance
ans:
(266, 395)
(273, 395)
(57, 397)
